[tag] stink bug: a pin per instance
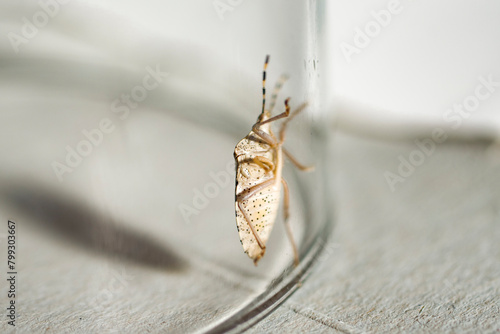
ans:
(259, 163)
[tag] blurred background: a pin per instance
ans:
(118, 123)
(415, 61)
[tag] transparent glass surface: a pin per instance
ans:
(118, 125)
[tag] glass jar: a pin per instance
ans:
(120, 122)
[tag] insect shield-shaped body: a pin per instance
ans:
(259, 162)
(258, 188)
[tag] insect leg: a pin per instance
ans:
(286, 199)
(285, 123)
(262, 162)
(275, 118)
(264, 135)
(247, 193)
(261, 244)
(295, 162)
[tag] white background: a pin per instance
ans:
(426, 59)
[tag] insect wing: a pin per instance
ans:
(261, 210)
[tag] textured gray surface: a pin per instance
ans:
(424, 258)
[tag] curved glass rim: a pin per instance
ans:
(277, 293)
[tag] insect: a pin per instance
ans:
(259, 164)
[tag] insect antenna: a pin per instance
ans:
(281, 81)
(264, 88)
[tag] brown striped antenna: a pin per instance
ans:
(264, 85)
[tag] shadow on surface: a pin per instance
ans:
(77, 223)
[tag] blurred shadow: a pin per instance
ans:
(82, 225)
(188, 98)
